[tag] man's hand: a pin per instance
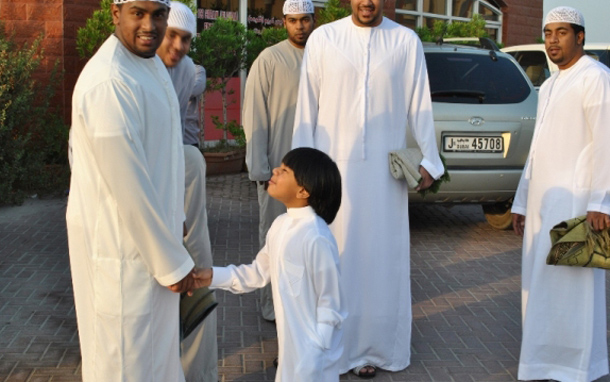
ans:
(518, 224)
(426, 180)
(197, 278)
(598, 220)
(184, 285)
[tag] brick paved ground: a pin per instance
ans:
(465, 281)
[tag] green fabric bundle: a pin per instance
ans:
(575, 243)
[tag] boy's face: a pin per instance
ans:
(284, 188)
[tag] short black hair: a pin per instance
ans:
(577, 29)
(320, 177)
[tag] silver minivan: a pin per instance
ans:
(534, 60)
(484, 114)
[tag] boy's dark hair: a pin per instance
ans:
(320, 177)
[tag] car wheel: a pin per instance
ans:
(498, 215)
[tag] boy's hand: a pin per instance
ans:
(202, 277)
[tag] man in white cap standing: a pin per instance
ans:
(125, 210)
(566, 175)
(268, 110)
(199, 353)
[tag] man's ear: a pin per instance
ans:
(302, 193)
(580, 37)
(114, 11)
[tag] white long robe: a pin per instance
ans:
(567, 174)
(124, 217)
(300, 259)
(359, 89)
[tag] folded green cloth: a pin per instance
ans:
(575, 243)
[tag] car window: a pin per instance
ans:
(474, 78)
(600, 55)
(535, 65)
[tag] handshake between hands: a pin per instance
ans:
(196, 278)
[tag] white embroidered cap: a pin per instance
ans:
(182, 17)
(298, 7)
(565, 14)
(166, 2)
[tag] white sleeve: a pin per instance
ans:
(597, 112)
(255, 119)
(420, 117)
(321, 262)
(243, 278)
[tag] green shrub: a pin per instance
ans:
(33, 138)
(333, 10)
(441, 29)
(96, 30)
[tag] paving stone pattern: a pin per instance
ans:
(465, 285)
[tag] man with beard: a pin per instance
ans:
(566, 175)
(125, 210)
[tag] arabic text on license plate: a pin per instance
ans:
(474, 144)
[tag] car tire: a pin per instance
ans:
(498, 215)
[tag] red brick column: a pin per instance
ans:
(58, 21)
(522, 21)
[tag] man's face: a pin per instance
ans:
(562, 45)
(140, 26)
(299, 27)
(174, 46)
(367, 13)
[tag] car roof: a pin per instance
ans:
(540, 47)
(447, 47)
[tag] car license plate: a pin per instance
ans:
(473, 144)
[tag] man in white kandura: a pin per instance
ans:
(268, 115)
(363, 81)
(566, 175)
(199, 351)
(125, 210)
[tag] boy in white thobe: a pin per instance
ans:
(300, 259)
(363, 82)
(566, 175)
(125, 209)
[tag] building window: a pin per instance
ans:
(420, 13)
(437, 7)
(462, 8)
